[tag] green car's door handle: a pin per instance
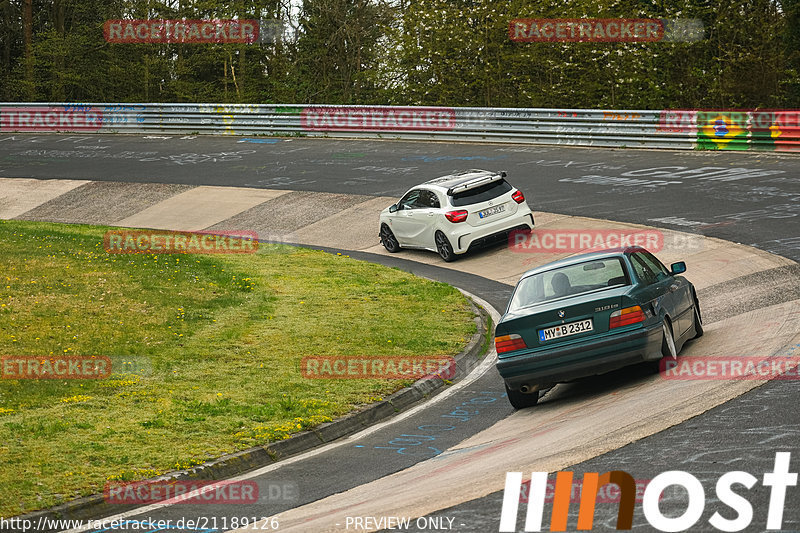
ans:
(673, 287)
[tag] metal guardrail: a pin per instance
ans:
(774, 130)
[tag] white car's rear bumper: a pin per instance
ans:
(466, 236)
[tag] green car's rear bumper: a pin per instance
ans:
(588, 358)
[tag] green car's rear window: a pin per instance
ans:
(569, 281)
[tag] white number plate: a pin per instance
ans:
(565, 330)
(491, 211)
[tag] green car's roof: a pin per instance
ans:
(590, 256)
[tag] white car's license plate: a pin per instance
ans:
(491, 211)
(565, 330)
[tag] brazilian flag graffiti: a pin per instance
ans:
(722, 130)
(777, 130)
(764, 130)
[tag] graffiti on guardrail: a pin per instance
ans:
(123, 114)
(723, 131)
(481, 120)
(77, 107)
(706, 129)
(112, 114)
(615, 115)
(733, 129)
(677, 121)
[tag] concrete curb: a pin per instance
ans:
(95, 507)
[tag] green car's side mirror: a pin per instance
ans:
(677, 268)
(393, 208)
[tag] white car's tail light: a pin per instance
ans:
(518, 197)
(457, 216)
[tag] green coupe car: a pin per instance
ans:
(591, 314)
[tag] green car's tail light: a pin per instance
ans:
(509, 343)
(518, 197)
(626, 317)
(457, 216)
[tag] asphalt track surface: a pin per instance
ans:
(752, 199)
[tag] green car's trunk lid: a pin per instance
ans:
(533, 321)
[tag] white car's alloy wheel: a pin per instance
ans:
(388, 239)
(444, 247)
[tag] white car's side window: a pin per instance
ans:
(410, 200)
(428, 199)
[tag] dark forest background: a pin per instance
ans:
(408, 52)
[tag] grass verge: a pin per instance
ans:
(217, 342)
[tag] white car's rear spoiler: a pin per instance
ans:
(476, 182)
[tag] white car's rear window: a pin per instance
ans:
(484, 193)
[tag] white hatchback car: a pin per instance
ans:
(455, 212)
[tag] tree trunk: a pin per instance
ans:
(58, 23)
(27, 41)
(8, 36)
(242, 70)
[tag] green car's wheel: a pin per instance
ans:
(668, 350)
(668, 343)
(698, 321)
(520, 400)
